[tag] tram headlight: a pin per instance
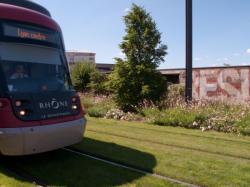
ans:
(22, 113)
(74, 107)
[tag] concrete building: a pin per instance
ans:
(74, 57)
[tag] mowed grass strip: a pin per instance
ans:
(172, 130)
(197, 143)
(9, 179)
(63, 168)
(218, 143)
(202, 168)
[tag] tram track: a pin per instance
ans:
(124, 165)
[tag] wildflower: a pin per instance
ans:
(195, 124)
(203, 129)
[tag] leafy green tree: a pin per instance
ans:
(135, 78)
(80, 74)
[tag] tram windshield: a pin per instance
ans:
(33, 68)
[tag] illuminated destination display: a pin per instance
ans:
(32, 33)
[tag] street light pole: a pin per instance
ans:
(189, 50)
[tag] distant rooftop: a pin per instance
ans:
(208, 67)
(80, 52)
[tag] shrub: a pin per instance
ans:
(80, 74)
(97, 83)
(243, 125)
(176, 90)
(176, 117)
(98, 112)
(87, 101)
(97, 102)
(174, 97)
(150, 112)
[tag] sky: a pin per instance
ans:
(221, 28)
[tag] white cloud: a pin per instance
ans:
(248, 51)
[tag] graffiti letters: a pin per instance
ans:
(229, 83)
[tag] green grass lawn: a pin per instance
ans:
(62, 168)
(203, 158)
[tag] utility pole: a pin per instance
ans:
(189, 49)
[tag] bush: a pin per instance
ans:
(80, 74)
(97, 105)
(87, 102)
(133, 85)
(243, 125)
(97, 83)
(175, 117)
(175, 97)
(97, 112)
(205, 116)
(176, 90)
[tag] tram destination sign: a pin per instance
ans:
(29, 32)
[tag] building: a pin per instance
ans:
(229, 83)
(105, 68)
(74, 57)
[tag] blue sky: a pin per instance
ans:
(221, 28)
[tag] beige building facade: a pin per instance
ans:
(74, 57)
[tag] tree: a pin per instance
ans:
(135, 78)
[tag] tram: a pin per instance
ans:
(39, 109)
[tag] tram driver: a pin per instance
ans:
(19, 73)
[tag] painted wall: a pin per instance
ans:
(230, 84)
